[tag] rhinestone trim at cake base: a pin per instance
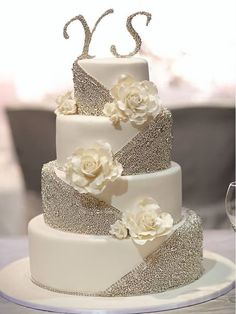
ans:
(68, 210)
(150, 150)
(177, 262)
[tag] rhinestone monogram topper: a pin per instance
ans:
(134, 34)
(88, 33)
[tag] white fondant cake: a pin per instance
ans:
(113, 223)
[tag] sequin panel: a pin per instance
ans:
(68, 210)
(90, 95)
(150, 150)
(176, 263)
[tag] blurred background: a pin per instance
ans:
(191, 48)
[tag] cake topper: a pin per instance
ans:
(133, 33)
(89, 34)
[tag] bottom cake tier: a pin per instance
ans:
(105, 266)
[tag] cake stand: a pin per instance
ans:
(217, 279)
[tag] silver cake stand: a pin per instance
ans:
(218, 279)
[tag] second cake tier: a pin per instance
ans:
(140, 149)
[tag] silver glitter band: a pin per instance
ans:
(68, 210)
(177, 262)
(150, 150)
(90, 94)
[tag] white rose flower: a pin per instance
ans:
(89, 170)
(147, 221)
(112, 111)
(138, 101)
(66, 104)
(119, 230)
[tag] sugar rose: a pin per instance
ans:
(137, 101)
(147, 221)
(66, 104)
(112, 110)
(89, 170)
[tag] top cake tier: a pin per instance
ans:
(94, 78)
(140, 147)
(108, 70)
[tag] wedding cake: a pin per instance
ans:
(113, 222)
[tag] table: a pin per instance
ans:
(219, 241)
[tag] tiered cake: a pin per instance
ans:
(113, 223)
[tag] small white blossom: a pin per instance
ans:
(66, 104)
(119, 230)
(112, 111)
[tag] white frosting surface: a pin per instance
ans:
(108, 70)
(74, 131)
(85, 263)
(165, 186)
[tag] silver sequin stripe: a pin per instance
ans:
(68, 210)
(150, 150)
(176, 263)
(90, 95)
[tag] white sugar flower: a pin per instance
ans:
(89, 170)
(119, 230)
(137, 101)
(66, 104)
(112, 110)
(147, 221)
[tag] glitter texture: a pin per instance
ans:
(133, 33)
(88, 34)
(68, 210)
(177, 262)
(90, 95)
(150, 150)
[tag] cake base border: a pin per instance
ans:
(217, 279)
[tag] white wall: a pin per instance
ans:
(190, 44)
